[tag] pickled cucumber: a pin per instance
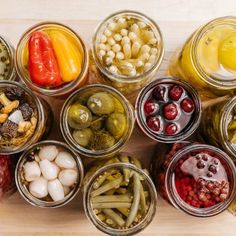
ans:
(82, 137)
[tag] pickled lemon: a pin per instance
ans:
(227, 52)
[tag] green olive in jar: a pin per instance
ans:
(79, 116)
(116, 124)
(82, 137)
(101, 103)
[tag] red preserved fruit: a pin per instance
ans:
(171, 129)
(150, 107)
(159, 93)
(187, 105)
(153, 123)
(170, 111)
(175, 92)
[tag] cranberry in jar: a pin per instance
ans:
(197, 178)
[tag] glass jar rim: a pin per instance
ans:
(175, 198)
(95, 153)
(11, 51)
(137, 228)
(40, 117)
(182, 135)
(209, 79)
(66, 87)
(128, 79)
(40, 203)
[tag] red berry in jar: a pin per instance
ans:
(171, 129)
(153, 123)
(187, 105)
(150, 107)
(159, 92)
(170, 111)
(175, 92)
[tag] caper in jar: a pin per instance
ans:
(101, 103)
(79, 116)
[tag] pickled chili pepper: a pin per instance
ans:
(68, 56)
(43, 67)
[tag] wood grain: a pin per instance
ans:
(18, 218)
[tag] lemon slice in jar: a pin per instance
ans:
(227, 52)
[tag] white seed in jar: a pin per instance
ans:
(132, 36)
(116, 48)
(108, 47)
(152, 41)
(49, 169)
(152, 59)
(48, 152)
(132, 72)
(102, 46)
(122, 22)
(139, 63)
(103, 38)
(135, 28)
(120, 55)
(56, 190)
(112, 26)
(147, 66)
(145, 49)
(153, 51)
(117, 37)
(113, 69)
(39, 187)
(125, 40)
(108, 61)
(102, 53)
(111, 54)
(32, 171)
(124, 32)
(68, 177)
(111, 41)
(144, 56)
(107, 32)
(127, 50)
(66, 190)
(141, 24)
(135, 49)
(65, 160)
(127, 68)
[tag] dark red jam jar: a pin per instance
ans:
(196, 178)
(168, 110)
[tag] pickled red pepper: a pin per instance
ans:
(68, 57)
(43, 67)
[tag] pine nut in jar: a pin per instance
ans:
(7, 67)
(58, 66)
(207, 59)
(128, 50)
(168, 110)
(49, 174)
(24, 117)
(119, 196)
(196, 178)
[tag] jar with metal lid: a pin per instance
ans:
(119, 196)
(7, 67)
(168, 110)
(196, 178)
(96, 120)
(49, 174)
(58, 66)
(207, 59)
(128, 50)
(24, 117)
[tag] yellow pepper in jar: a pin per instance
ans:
(68, 57)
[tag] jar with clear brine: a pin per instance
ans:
(128, 50)
(196, 178)
(208, 58)
(24, 118)
(119, 196)
(52, 59)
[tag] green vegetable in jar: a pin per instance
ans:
(116, 124)
(101, 140)
(79, 116)
(118, 106)
(101, 103)
(97, 123)
(82, 137)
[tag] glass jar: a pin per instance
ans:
(96, 120)
(217, 126)
(114, 217)
(198, 179)
(36, 180)
(71, 75)
(7, 67)
(207, 60)
(25, 118)
(168, 110)
(130, 69)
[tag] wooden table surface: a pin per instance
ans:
(177, 19)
